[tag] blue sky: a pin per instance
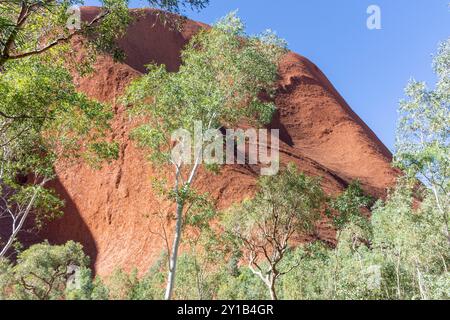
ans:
(369, 68)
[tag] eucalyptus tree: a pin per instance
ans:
(44, 120)
(286, 206)
(32, 27)
(423, 133)
(42, 117)
(222, 74)
(178, 6)
(43, 272)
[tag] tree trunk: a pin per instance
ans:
(18, 228)
(423, 295)
(174, 253)
(179, 226)
(397, 271)
(443, 212)
(273, 293)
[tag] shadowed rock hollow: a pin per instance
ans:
(320, 134)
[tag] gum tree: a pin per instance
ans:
(32, 27)
(286, 206)
(177, 6)
(42, 117)
(44, 120)
(424, 130)
(43, 271)
(222, 74)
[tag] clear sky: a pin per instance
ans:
(369, 68)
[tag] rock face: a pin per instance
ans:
(110, 210)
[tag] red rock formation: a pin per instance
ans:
(109, 210)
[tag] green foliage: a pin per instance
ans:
(194, 281)
(87, 288)
(310, 280)
(243, 286)
(411, 241)
(151, 285)
(289, 202)
(285, 206)
(121, 285)
(41, 272)
(6, 279)
(423, 133)
(400, 252)
(197, 279)
(348, 208)
(46, 206)
(221, 76)
(177, 6)
(33, 27)
(83, 288)
(44, 118)
(405, 257)
(44, 121)
(110, 28)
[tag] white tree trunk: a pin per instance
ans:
(423, 294)
(174, 253)
(17, 227)
(443, 212)
(273, 293)
(179, 221)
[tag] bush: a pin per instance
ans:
(42, 272)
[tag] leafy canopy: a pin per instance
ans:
(219, 82)
(285, 205)
(32, 27)
(43, 121)
(29, 27)
(42, 271)
(423, 137)
(423, 134)
(178, 6)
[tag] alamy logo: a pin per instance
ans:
(374, 20)
(74, 20)
(73, 277)
(373, 277)
(239, 146)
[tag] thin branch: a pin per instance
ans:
(60, 40)
(23, 15)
